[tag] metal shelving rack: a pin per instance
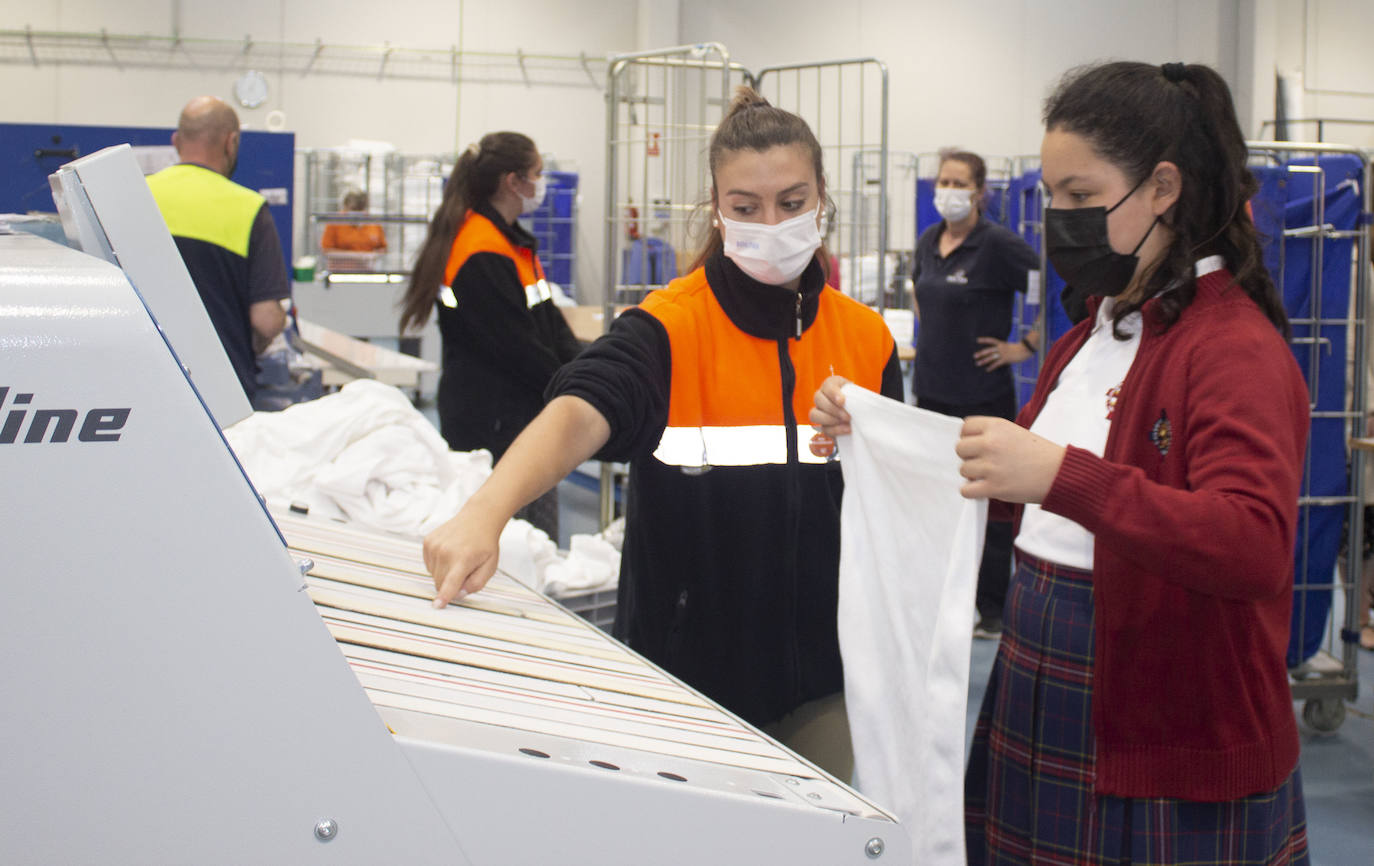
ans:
(403, 191)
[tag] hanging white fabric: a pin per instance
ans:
(909, 553)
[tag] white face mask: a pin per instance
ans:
(953, 204)
(773, 254)
(529, 203)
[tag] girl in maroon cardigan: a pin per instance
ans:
(1139, 709)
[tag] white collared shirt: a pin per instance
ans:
(1079, 412)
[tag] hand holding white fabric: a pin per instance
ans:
(1005, 461)
(828, 415)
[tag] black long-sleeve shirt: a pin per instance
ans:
(499, 352)
(729, 577)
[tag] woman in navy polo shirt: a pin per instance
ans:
(967, 271)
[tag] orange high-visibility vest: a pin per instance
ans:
(725, 404)
(480, 235)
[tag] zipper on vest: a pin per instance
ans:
(792, 514)
(799, 316)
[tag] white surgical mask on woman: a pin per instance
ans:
(773, 254)
(953, 204)
(528, 203)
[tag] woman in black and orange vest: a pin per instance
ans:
(503, 336)
(731, 561)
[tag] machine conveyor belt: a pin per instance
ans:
(507, 658)
(782, 762)
(502, 595)
(577, 709)
(468, 620)
(470, 654)
(337, 539)
(535, 690)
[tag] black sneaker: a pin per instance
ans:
(988, 628)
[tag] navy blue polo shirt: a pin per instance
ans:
(962, 297)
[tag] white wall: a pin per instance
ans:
(1323, 47)
(972, 73)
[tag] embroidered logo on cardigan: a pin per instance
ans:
(1113, 394)
(1162, 434)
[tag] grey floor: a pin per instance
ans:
(1337, 768)
(1338, 775)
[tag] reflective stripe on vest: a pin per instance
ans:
(537, 293)
(480, 235)
(704, 447)
(727, 385)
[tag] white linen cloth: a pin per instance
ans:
(366, 455)
(910, 546)
(592, 563)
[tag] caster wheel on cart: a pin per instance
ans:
(1324, 714)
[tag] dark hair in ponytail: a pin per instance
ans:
(476, 178)
(1135, 116)
(751, 123)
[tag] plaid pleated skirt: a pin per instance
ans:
(1029, 788)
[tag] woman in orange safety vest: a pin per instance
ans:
(730, 567)
(503, 336)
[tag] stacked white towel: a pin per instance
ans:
(365, 455)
